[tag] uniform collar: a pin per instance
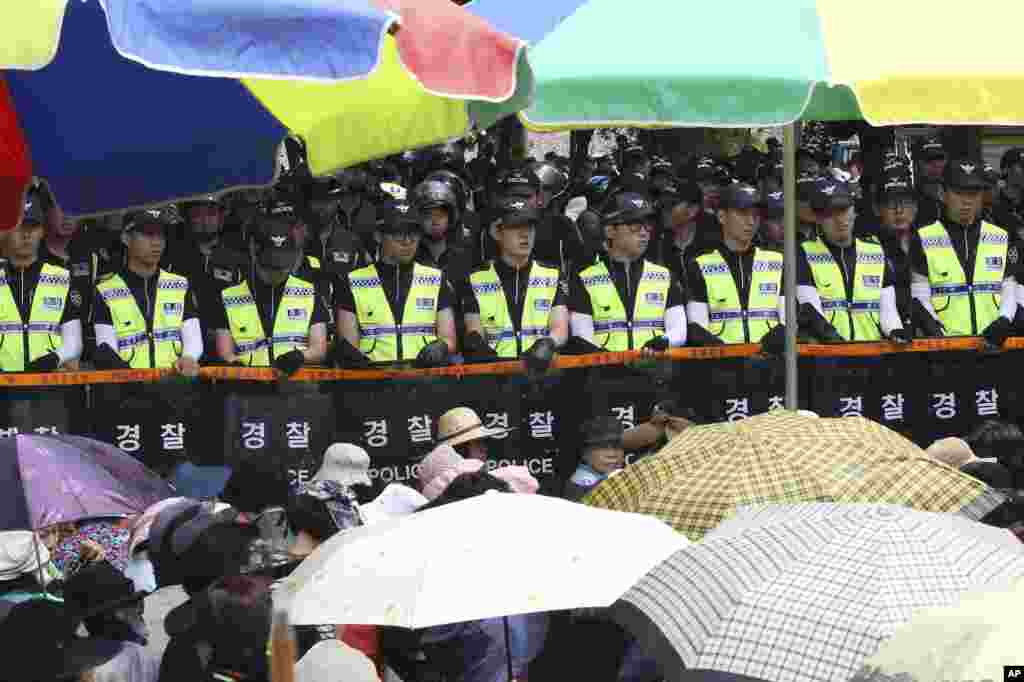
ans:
(503, 268)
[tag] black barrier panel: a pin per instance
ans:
(961, 390)
(161, 424)
(56, 409)
(730, 390)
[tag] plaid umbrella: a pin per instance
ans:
(699, 478)
(970, 641)
(807, 592)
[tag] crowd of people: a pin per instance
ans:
(426, 259)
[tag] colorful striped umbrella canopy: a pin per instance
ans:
(705, 473)
(125, 103)
(602, 63)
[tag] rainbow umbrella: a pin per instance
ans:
(125, 103)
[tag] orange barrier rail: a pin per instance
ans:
(496, 368)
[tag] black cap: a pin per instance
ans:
(773, 204)
(520, 183)
(137, 221)
(398, 216)
(275, 247)
(895, 184)
(832, 194)
(1012, 157)
(627, 207)
(740, 195)
(932, 149)
(676, 191)
(515, 210)
(965, 174)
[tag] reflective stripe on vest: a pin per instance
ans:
(133, 334)
(612, 328)
(379, 334)
(495, 318)
(952, 296)
(868, 274)
(730, 320)
(291, 323)
(42, 331)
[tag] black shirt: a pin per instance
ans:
(396, 280)
(268, 300)
(22, 284)
(514, 283)
(965, 244)
(846, 259)
(741, 265)
(625, 278)
(144, 292)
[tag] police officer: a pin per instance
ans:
(932, 161)
(736, 293)
(963, 269)
(847, 282)
(274, 318)
(514, 301)
(1008, 210)
(40, 323)
(443, 245)
(679, 206)
(144, 316)
(398, 310)
(623, 301)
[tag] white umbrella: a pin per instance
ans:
(498, 554)
(807, 592)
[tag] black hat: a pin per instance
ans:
(516, 211)
(965, 174)
(896, 184)
(932, 149)
(97, 588)
(627, 207)
(832, 194)
(519, 183)
(137, 221)
(773, 204)
(398, 216)
(275, 247)
(40, 632)
(676, 191)
(34, 212)
(601, 432)
(740, 195)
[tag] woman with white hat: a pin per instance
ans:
(462, 429)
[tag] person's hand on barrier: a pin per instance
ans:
(539, 356)
(697, 335)
(289, 363)
(995, 334)
(924, 320)
(187, 366)
(106, 357)
(348, 356)
(901, 336)
(434, 354)
(773, 343)
(45, 363)
(659, 344)
(477, 349)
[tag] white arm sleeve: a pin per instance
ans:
(582, 326)
(71, 341)
(1008, 304)
(698, 313)
(191, 339)
(921, 290)
(675, 326)
(105, 334)
(889, 316)
(782, 309)
(808, 294)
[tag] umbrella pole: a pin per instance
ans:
(789, 272)
(508, 647)
(39, 563)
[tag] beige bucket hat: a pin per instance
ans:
(461, 425)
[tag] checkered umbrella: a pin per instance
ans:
(807, 592)
(699, 478)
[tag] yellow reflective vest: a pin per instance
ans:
(141, 345)
(291, 323)
(380, 338)
(23, 341)
(856, 319)
(965, 309)
(495, 318)
(613, 329)
(731, 320)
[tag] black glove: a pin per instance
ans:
(290, 362)
(997, 332)
(579, 346)
(774, 342)
(106, 357)
(924, 321)
(813, 321)
(348, 356)
(476, 348)
(697, 335)
(45, 363)
(538, 358)
(658, 343)
(901, 336)
(434, 354)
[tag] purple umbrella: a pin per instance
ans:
(52, 479)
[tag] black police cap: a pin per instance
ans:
(627, 207)
(966, 174)
(740, 195)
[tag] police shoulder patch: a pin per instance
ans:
(1012, 256)
(75, 298)
(104, 277)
